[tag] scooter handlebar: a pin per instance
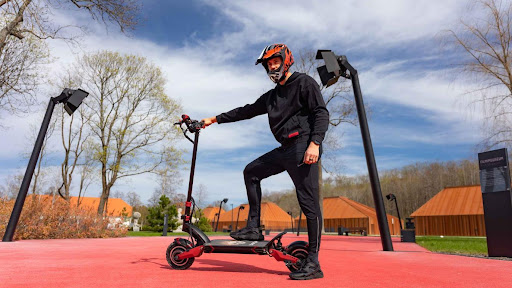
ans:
(193, 126)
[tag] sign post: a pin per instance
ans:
(497, 200)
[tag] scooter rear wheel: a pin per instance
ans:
(300, 252)
(172, 257)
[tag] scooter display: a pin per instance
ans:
(182, 252)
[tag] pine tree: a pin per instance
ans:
(157, 213)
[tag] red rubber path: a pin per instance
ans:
(140, 262)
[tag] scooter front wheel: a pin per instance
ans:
(172, 257)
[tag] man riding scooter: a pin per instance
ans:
(299, 120)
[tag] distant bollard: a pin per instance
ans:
(166, 224)
(408, 235)
(410, 223)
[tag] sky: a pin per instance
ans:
(207, 49)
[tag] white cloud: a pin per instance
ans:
(355, 24)
(207, 78)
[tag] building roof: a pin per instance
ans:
(269, 211)
(340, 207)
(114, 206)
(209, 212)
(462, 200)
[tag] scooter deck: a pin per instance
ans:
(239, 246)
(235, 246)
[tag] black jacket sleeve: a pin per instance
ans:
(246, 112)
(317, 108)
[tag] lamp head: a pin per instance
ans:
(333, 68)
(225, 200)
(241, 208)
(391, 197)
(74, 99)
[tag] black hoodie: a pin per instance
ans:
(295, 109)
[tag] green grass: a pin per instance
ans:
(475, 246)
(151, 233)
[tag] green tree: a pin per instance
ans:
(203, 223)
(155, 219)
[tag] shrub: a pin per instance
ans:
(203, 223)
(54, 218)
(157, 213)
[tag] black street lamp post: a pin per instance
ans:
(238, 216)
(291, 218)
(298, 224)
(392, 197)
(334, 68)
(231, 227)
(214, 217)
(71, 100)
(225, 200)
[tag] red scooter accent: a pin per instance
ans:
(192, 253)
(280, 256)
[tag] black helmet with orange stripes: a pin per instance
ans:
(276, 50)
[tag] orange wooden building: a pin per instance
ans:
(455, 211)
(272, 217)
(209, 213)
(115, 206)
(341, 211)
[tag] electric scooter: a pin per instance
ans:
(182, 252)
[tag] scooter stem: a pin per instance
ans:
(191, 180)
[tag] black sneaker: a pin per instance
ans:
(252, 234)
(308, 271)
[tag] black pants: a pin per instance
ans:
(304, 177)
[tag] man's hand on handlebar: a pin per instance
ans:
(209, 121)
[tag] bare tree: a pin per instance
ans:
(19, 73)
(338, 101)
(486, 41)
(74, 141)
(129, 115)
(118, 194)
(25, 26)
(41, 161)
(133, 199)
(12, 186)
(169, 178)
(200, 194)
(86, 177)
(29, 17)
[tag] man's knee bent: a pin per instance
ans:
(249, 174)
